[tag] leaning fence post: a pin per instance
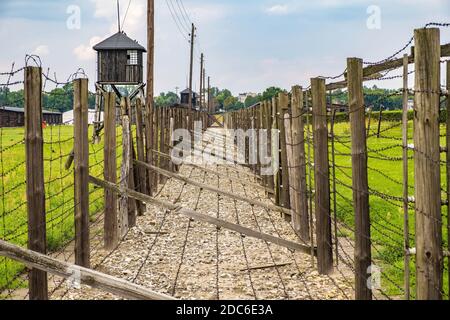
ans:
(34, 146)
(363, 256)
(322, 176)
(429, 256)
(81, 160)
(111, 236)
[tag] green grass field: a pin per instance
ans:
(59, 192)
(385, 178)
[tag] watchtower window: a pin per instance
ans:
(132, 57)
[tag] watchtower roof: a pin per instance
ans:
(119, 41)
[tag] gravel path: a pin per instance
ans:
(174, 255)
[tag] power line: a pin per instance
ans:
(126, 14)
(185, 11)
(184, 14)
(176, 16)
(176, 23)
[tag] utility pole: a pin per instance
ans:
(118, 15)
(201, 79)
(191, 68)
(204, 86)
(150, 94)
(209, 95)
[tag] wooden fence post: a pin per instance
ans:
(111, 236)
(34, 146)
(142, 183)
(429, 257)
(124, 201)
(81, 160)
(407, 258)
(363, 256)
(300, 217)
(448, 169)
(149, 133)
(283, 107)
(322, 176)
(276, 151)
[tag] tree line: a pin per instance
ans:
(61, 99)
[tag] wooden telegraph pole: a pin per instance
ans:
(204, 85)
(429, 257)
(201, 80)
(150, 95)
(209, 95)
(191, 71)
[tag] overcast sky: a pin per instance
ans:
(249, 45)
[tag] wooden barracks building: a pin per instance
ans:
(15, 117)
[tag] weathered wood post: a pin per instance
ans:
(275, 151)
(268, 126)
(322, 175)
(448, 168)
(300, 218)
(283, 107)
(363, 256)
(111, 236)
(124, 201)
(406, 178)
(81, 160)
(34, 153)
(140, 146)
(429, 257)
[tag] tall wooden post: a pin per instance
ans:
(140, 146)
(201, 81)
(81, 160)
(300, 218)
(276, 152)
(111, 235)
(448, 169)
(322, 175)
(191, 71)
(406, 178)
(210, 111)
(283, 107)
(429, 257)
(150, 87)
(34, 153)
(363, 256)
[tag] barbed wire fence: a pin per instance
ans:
(387, 242)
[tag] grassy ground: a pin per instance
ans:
(385, 179)
(59, 190)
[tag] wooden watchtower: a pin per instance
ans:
(120, 61)
(120, 68)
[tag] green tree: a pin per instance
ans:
(166, 99)
(252, 100)
(271, 92)
(223, 96)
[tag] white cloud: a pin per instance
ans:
(85, 52)
(41, 50)
(279, 9)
